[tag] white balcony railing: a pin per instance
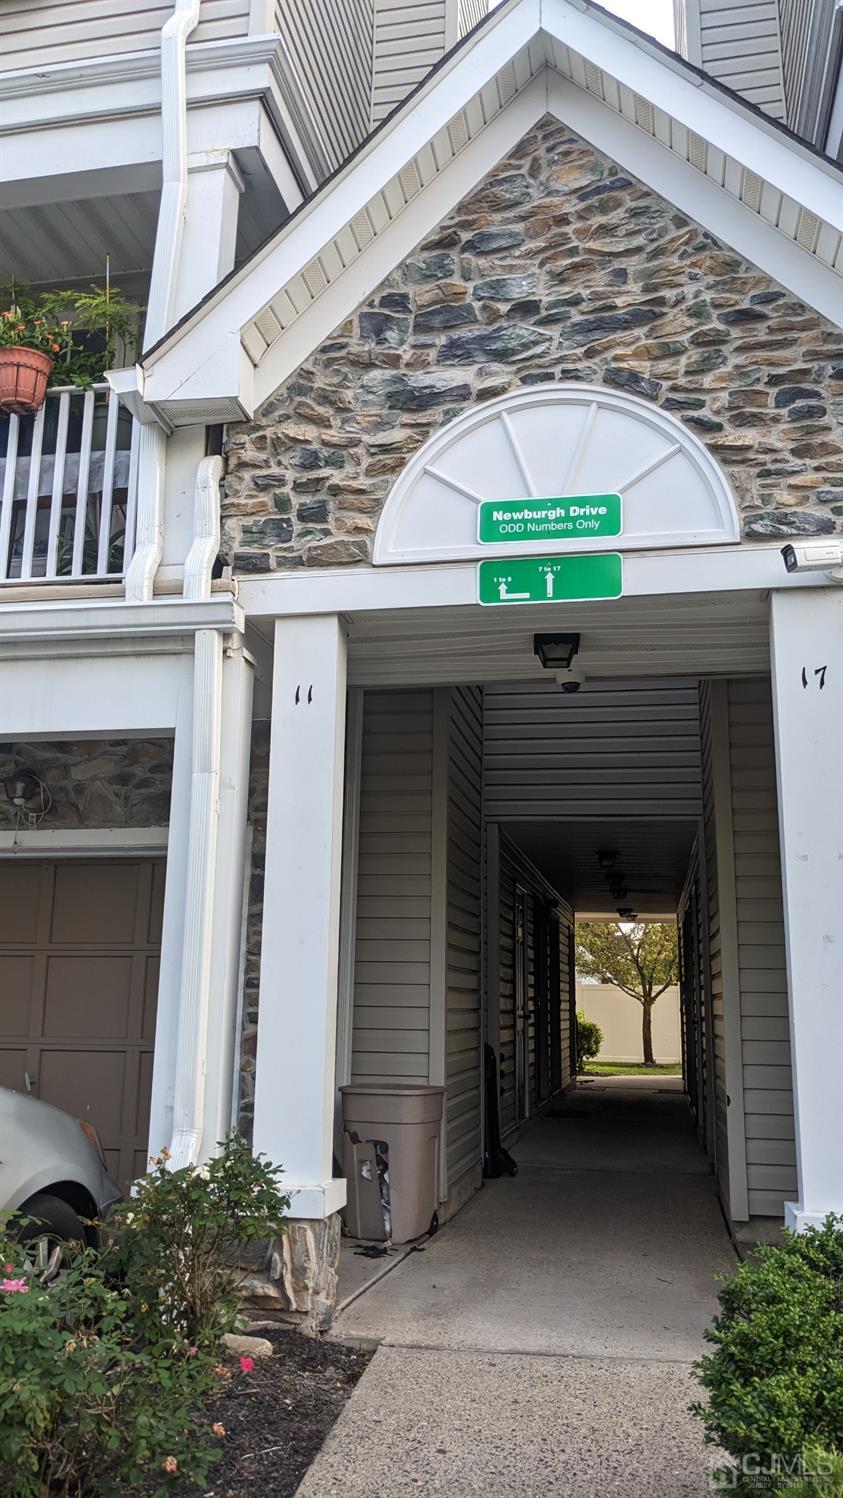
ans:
(68, 481)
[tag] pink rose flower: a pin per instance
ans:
(13, 1287)
(247, 1365)
(170, 1464)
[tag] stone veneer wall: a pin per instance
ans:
(558, 267)
(95, 782)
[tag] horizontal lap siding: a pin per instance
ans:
(44, 32)
(462, 1016)
(765, 1035)
(409, 38)
(331, 53)
(612, 749)
(741, 47)
(714, 946)
(392, 967)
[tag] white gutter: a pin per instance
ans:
(149, 541)
(194, 987)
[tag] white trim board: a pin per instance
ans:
(84, 842)
(347, 590)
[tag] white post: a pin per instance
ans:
(209, 236)
(807, 668)
(297, 1013)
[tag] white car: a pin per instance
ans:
(52, 1171)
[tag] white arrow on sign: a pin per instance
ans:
(504, 595)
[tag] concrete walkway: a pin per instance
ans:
(540, 1344)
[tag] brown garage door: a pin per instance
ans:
(79, 950)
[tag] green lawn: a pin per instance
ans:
(631, 1069)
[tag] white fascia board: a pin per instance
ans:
(400, 238)
(46, 153)
(349, 590)
(699, 197)
(92, 842)
(757, 144)
(243, 297)
(112, 619)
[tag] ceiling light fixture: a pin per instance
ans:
(556, 652)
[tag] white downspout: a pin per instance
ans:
(149, 546)
(168, 237)
(191, 1041)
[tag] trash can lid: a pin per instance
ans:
(391, 1089)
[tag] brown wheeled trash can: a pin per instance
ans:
(406, 1117)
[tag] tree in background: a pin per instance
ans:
(640, 958)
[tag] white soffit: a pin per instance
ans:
(549, 441)
(768, 196)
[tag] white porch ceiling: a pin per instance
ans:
(652, 856)
(713, 634)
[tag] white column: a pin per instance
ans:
(223, 1051)
(297, 1012)
(807, 668)
(209, 236)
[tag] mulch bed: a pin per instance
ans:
(277, 1417)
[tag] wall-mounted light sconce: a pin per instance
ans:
(607, 859)
(29, 794)
(556, 652)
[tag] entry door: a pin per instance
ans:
(79, 951)
(522, 1066)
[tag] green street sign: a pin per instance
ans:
(578, 517)
(550, 579)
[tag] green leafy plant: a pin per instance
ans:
(822, 1475)
(85, 1406)
(177, 1244)
(589, 1039)
(82, 331)
(775, 1379)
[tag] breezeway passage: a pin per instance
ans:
(540, 1344)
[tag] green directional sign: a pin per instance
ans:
(576, 518)
(550, 579)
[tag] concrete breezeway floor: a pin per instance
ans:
(540, 1344)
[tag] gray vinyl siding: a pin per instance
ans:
(715, 948)
(409, 38)
(765, 1035)
(392, 966)
(612, 749)
(517, 872)
(471, 13)
(40, 33)
(331, 54)
(738, 42)
(796, 20)
(463, 1006)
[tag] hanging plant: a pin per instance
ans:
(29, 344)
(60, 338)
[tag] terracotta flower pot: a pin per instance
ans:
(23, 380)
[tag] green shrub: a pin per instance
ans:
(103, 1372)
(589, 1039)
(176, 1245)
(775, 1380)
(83, 1404)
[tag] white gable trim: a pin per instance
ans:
(769, 197)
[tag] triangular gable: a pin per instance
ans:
(751, 184)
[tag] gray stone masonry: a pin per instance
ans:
(557, 267)
(95, 782)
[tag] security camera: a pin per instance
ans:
(570, 681)
(813, 556)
